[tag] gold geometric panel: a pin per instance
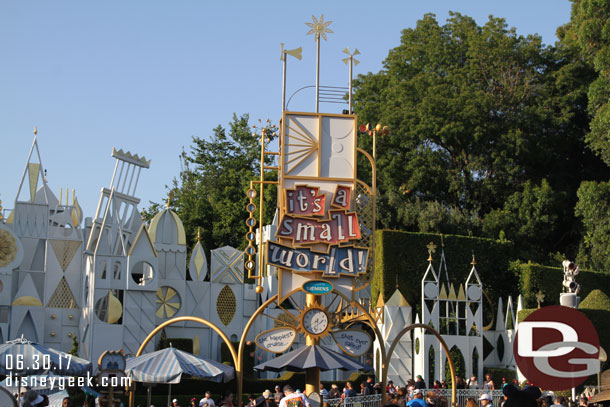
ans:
(33, 171)
(27, 300)
(196, 345)
(64, 251)
(226, 305)
(198, 263)
(109, 308)
(62, 296)
(169, 302)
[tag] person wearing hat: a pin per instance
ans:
(420, 384)
(334, 392)
(175, 403)
(31, 398)
(269, 400)
(207, 401)
(417, 400)
(485, 400)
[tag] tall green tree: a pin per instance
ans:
(210, 192)
(593, 207)
(587, 35)
(589, 32)
(476, 112)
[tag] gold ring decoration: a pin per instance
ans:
(8, 248)
(315, 322)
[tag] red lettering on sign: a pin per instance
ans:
(342, 197)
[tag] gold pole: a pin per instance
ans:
(261, 210)
(387, 357)
(318, 74)
(187, 319)
(242, 342)
(312, 375)
(284, 82)
(351, 67)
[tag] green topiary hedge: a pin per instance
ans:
(402, 257)
(596, 299)
(534, 278)
(248, 362)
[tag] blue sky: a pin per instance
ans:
(147, 76)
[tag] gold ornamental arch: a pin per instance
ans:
(201, 321)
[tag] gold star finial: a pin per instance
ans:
(319, 27)
(35, 130)
(474, 261)
(198, 234)
(431, 249)
(170, 198)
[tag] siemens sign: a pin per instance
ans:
(318, 287)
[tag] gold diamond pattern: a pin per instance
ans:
(62, 296)
(64, 251)
(226, 305)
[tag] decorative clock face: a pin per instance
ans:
(315, 321)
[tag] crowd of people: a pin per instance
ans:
(414, 394)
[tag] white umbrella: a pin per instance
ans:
(167, 366)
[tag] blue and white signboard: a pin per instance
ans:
(317, 287)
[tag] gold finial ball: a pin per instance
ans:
(259, 289)
(378, 128)
(386, 130)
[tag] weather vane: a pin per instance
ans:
(318, 28)
(297, 53)
(350, 61)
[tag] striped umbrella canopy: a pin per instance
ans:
(311, 356)
(21, 357)
(167, 366)
(56, 399)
